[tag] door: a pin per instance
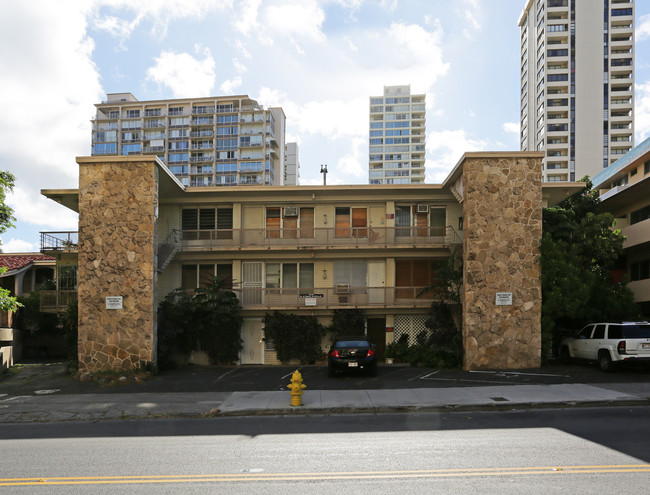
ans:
(377, 335)
(251, 283)
(376, 281)
(252, 351)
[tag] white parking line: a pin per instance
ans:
(516, 373)
(289, 374)
(423, 377)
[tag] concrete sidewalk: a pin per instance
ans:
(48, 405)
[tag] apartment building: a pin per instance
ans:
(216, 141)
(577, 84)
(291, 165)
(625, 192)
(397, 137)
(304, 249)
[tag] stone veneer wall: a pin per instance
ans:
(502, 231)
(117, 233)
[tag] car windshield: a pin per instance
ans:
(352, 343)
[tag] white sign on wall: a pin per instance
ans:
(113, 302)
(310, 301)
(504, 299)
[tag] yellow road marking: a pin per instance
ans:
(238, 477)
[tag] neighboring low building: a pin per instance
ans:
(309, 250)
(625, 192)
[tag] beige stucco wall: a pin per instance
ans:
(503, 228)
(117, 232)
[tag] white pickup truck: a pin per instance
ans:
(609, 344)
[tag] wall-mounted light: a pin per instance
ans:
(324, 274)
(324, 219)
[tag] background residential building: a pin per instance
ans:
(577, 84)
(625, 192)
(217, 141)
(397, 137)
(291, 165)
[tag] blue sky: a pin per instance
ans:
(318, 59)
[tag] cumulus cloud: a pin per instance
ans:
(511, 127)
(47, 98)
(184, 74)
(447, 147)
(355, 162)
(642, 112)
(229, 86)
(18, 246)
(299, 20)
(40, 211)
(643, 28)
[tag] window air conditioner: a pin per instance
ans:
(290, 211)
(423, 208)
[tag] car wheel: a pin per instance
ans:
(565, 355)
(605, 361)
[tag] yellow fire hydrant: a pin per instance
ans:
(295, 388)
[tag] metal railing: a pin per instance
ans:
(323, 237)
(341, 296)
(59, 241)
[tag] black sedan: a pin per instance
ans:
(352, 354)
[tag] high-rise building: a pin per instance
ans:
(216, 141)
(397, 137)
(577, 84)
(291, 165)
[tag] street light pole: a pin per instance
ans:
(323, 170)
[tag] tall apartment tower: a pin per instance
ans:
(291, 165)
(216, 141)
(577, 84)
(397, 137)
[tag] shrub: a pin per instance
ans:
(294, 336)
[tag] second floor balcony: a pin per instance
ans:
(59, 242)
(319, 237)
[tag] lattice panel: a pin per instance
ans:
(409, 325)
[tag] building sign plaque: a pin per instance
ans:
(114, 302)
(504, 299)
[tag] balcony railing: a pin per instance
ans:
(322, 237)
(65, 242)
(333, 297)
(56, 300)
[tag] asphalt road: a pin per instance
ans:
(31, 377)
(543, 451)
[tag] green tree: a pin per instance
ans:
(7, 302)
(209, 317)
(579, 249)
(294, 336)
(347, 322)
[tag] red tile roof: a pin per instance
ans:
(18, 261)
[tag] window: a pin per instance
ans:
(411, 276)
(104, 149)
(351, 222)
(352, 273)
(279, 224)
(201, 223)
(640, 215)
(131, 149)
(289, 275)
(132, 114)
(66, 277)
(201, 275)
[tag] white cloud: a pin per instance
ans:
(511, 127)
(447, 147)
(241, 68)
(41, 211)
(643, 28)
(354, 163)
(642, 112)
(229, 86)
(185, 75)
(160, 12)
(247, 22)
(48, 94)
(302, 20)
(18, 246)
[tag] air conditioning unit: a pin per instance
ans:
(342, 288)
(422, 208)
(290, 211)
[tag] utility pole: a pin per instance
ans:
(323, 170)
